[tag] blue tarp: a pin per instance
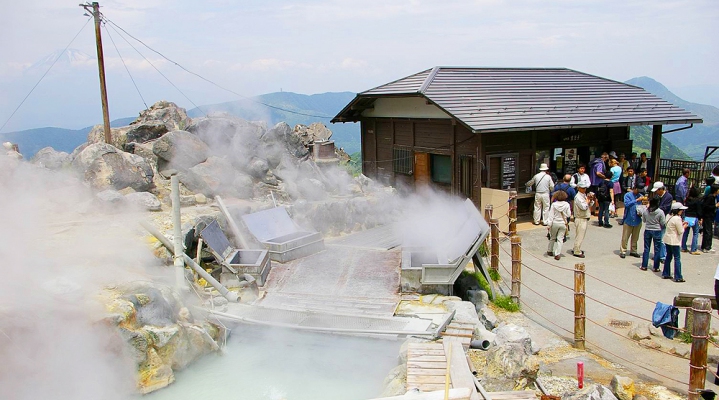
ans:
(666, 316)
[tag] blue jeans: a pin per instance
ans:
(662, 246)
(673, 252)
(604, 212)
(695, 237)
(649, 237)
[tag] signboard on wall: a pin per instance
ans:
(570, 161)
(509, 172)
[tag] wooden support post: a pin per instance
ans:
(698, 359)
(488, 210)
(656, 151)
(516, 267)
(579, 309)
(512, 213)
(494, 254)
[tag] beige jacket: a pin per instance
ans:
(581, 206)
(675, 230)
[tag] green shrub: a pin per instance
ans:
(483, 284)
(506, 303)
(494, 274)
(684, 337)
(483, 250)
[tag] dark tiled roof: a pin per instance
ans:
(499, 99)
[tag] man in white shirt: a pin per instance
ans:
(580, 176)
(543, 186)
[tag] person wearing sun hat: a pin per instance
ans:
(672, 239)
(543, 186)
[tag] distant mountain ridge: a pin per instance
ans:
(692, 141)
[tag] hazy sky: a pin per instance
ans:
(256, 47)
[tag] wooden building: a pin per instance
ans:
(459, 129)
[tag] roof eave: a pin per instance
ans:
(597, 125)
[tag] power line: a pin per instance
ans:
(159, 72)
(125, 65)
(213, 83)
(43, 75)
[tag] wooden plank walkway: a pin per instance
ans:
(460, 331)
(427, 369)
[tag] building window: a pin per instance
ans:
(403, 160)
(441, 168)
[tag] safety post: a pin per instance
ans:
(488, 210)
(512, 212)
(516, 267)
(494, 232)
(701, 308)
(579, 309)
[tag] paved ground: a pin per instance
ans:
(602, 249)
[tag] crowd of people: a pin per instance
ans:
(672, 224)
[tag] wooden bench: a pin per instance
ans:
(684, 299)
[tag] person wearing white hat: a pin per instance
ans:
(673, 240)
(582, 215)
(544, 185)
(665, 204)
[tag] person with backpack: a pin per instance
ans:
(566, 187)
(665, 203)
(654, 222)
(605, 196)
(580, 176)
(672, 240)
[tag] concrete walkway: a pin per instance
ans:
(602, 261)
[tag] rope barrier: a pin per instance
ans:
(551, 301)
(635, 364)
(628, 313)
(628, 338)
(548, 278)
(620, 289)
(546, 262)
(548, 320)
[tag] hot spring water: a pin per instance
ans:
(276, 364)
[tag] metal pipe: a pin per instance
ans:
(177, 231)
(231, 222)
(319, 329)
(230, 296)
(678, 129)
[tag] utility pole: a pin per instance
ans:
(95, 11)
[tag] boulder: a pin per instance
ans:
(316, 132)
(218, 176)
(243, 187)
(477, 297)
(511, 333)
(290, 143)
(622, 387)
(640, 331)
(179, 150)
(592, 392)
(50, 158)
(194, 183)
(230, 136)
(111, 196)
(144, 200)
(106, 167)
(165, 112)
(144, 132)
(312, 189)
(118, 136)
(487, 317)
(258, 168)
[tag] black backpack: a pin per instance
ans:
(603, 191)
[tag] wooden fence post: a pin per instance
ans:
(512, 213)
(516, 268)
(701, 308)
(579, 309)
(488, 209)
(494, 232)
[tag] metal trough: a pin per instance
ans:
(421, 266)
(239, 261)
(281, 236)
